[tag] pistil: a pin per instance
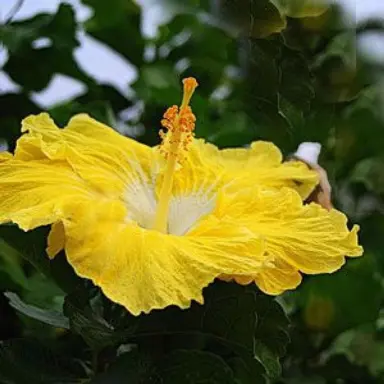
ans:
(180, 123)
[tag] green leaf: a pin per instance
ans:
(263, 76)
(132, 366)
(60, 29)
(296, 83)
(95, 331)
(159, 76)
(99, 102)
(200, 35)
(232, 130)
(269, 359)
(334, 303)
(241, 319)
(248, 371)
(362, 347)
(120, 30)
(279, 91)
(271, 337)
(338, 75)
(11, 265)
(44, 63)
(302, 8)
(26, 361)
(340, 366)
(193, 367)
(53, 318)
(31, 246)
(13, 108)
(251, 324)
(179, 366)
(370, 172)
(17, 36)
(254, 18)
(86, 311)
(296, 92)
(343, 47)
(159, 84)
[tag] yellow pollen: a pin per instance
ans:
(180, 124)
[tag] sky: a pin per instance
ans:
(109, 67)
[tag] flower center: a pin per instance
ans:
(180, 123)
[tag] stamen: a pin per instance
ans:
(180, 124)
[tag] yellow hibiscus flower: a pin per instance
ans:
(153, 226)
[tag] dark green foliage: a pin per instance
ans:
(240, 322)
(18, 37)
(253, 18)
(118, 25)
(53, 318)
(276, 70)
(26, 361)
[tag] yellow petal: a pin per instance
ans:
(96, 152)
(298, 176)
(273, 279)
(81, 131)
(143, 269)
(279, 277)
(32, 193)
(260, 153)
(5, 156)
(307, 237)
(56, 239)
(42, 139)
(261, 164)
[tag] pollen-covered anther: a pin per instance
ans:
(180, 124)
(171, 113)
(187, 120)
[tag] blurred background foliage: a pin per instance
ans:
(285, 71)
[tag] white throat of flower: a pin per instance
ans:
(184, 210)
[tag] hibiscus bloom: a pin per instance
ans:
(153, 226)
